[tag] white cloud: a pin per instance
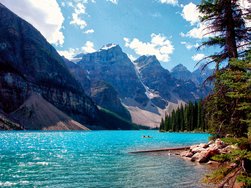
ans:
(191, 13)
(89, 31)
(131, 57)
(45, 15)
(189, 46)
(79, 11)
(70, 4)
(113, 1)
(198, 57)
(199, 32)
(159, 46)
(172, 2)
(88, 47)
(72, 52)
(245, 6)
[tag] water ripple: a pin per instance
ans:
(95, 159)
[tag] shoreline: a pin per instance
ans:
(200, 153)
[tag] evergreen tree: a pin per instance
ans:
(173, 121)
(238, 94)
(190, 117)
(195, 116)
(200, 118)
(184, 118)
(226, 24)
(162, 125)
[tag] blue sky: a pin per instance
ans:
(169, 29)
(132, 19)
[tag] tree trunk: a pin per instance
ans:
(230, 30)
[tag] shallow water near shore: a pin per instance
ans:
(96, 159)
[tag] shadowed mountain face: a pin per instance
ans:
(198, 76)
(113, 66)
(102, 93)
(158, 79)
(144, 87)
(106, 96)
(28, 63)
(38, 114)
(180, 72)
(154, 76)
(7, 124)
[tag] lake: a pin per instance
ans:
(96, 159)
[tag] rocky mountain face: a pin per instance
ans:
(180, 72)
(107, 97)
(144, 87)
(29, 64)
(38, 114)
(80, 75)
(8, 124)
(166, 88)
(102, 93)
(113, 66)
(198, 76)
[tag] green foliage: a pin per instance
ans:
(225, 22)
(188, 118)
(217, 175)
(242, 143)
(113, 122)
(228, 109)
(233, 164)
(244, 178)
(235, 156)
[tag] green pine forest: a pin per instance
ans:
(227, 109)
(226, 112)
(186, 118)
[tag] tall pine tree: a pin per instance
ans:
(226, 25)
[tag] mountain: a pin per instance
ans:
(79, 74)
(102, 93)
(8, 124)
(102, 90)
(29, 64)
(180, 72)
(107, 97)
(38, 114)
(198, 76)
(166, 88)
(113, 66)
(144, 87)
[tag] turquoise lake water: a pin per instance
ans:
(96, 159)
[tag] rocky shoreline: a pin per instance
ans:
(203, 153)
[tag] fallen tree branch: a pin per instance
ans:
(229, 178)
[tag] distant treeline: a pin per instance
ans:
(185, 118)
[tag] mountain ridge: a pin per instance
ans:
(158, 86)
(29, 64)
